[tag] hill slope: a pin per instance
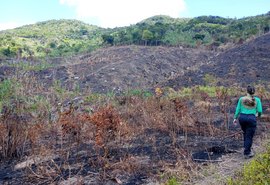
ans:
(49, 38)
(245, 64)
(119, 69)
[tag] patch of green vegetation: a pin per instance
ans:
(26, 66)
(256, 172)
(6, 92)
(56, 38)
(6, 89)
(58, 89)
(210, 90)
(147, 94)
(138, 92)
(172, 181)
(93, 97)
(50, 38)
(210, 80)
(12, 94)
(186, 91)
(61, 93)
(112, 96)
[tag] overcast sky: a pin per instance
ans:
(117, 13)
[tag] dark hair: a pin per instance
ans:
(251, 91)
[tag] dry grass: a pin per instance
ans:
(107, 121)
(43, 127)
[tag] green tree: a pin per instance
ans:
(147, 36)
(136, 35)
(199, 36)
(108, 39)
(8, 52)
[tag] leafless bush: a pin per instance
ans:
(224, 102)
(107, 121)
(14, 131)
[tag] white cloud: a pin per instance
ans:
(113, 13)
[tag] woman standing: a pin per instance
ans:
(247, 108)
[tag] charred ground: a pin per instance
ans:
(81, 136)
(119, 69)
(244, 64)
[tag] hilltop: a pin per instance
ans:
(49, 38)
(55, 38)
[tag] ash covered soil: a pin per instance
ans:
(244, 64)
(151, 157)
(122, 68)
(118, 69)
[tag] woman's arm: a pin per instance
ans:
(238, 109)
(259, 107)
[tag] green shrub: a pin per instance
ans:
(209, 90)
(5, 89)
(210, 80)
(257, 172)
(94, 97)
(138, 92)
(172, 181)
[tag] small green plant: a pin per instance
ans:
(39, 106)
(5, 89)
(93, 97)
(172, 181)
(147, 94)
(8, 89)
(57, 87)
(210, 80)
(134, 92)
(209, 90)
(139, 93)
(185, 92)
(110, 94)
(59, 91)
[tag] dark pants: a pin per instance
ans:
(248, 124)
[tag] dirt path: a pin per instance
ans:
(218, 173)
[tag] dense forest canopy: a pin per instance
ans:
(68, 37)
